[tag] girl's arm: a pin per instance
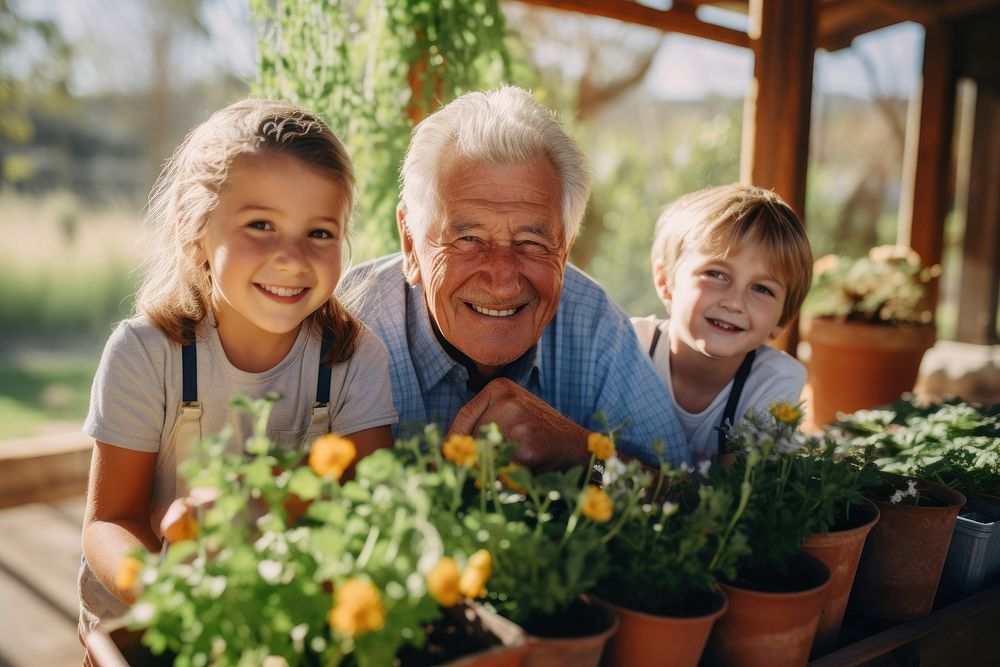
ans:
(368, 441)
(117, 519)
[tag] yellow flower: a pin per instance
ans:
(507, 480)
(442, 582)
(330, 455)
(596, 504)
(785, 412)
(477, 572)
(461, 450)
(600, 446)
(357, 608)
(179, 523)
(128, 573)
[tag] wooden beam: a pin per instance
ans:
(679, 19)
(937, 113)
(775, 151)
(979, 290)
(840, 21)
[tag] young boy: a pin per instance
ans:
(732, 265)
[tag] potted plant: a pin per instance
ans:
(792, 486)
(272, 562)
(667, 558)
(868, 324)
(547, 534)
(955, 444)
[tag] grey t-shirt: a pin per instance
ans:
(136, 394)
(774, 376)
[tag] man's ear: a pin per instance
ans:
(661, 279)
(411, 269)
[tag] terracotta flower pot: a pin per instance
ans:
(767, 628)
(904, 554)
(854, 365)
(647, 640)
(583, 650)
(840, 551)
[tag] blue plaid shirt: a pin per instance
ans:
(587, 360)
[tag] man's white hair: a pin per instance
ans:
(506, 126)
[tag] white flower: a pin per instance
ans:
(274, 661)
(896, 497)
(911, 488)
(142, 613)
(669, 508)
(704, 466)
(614, 468)
(269, 571)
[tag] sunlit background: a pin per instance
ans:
(98, 92)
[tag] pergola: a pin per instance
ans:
(961, 42)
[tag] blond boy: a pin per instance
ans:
(732, 265)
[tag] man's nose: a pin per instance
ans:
(501, 269)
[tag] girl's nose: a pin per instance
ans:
(291, 257)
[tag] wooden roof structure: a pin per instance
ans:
(961, 41)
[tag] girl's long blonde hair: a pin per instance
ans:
(175, 291)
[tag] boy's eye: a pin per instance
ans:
(711, 273)
(763, 289)
(260, 224)
(321, 234)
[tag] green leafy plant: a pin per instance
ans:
(668, 555)
(547, 533)
(270, 559)
(792, 485)
(954, 442)
(888, 286)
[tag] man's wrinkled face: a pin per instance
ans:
(491, 268)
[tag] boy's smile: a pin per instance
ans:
(723, 308)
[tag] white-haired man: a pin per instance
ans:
(483, 318)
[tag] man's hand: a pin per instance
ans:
(546, 439)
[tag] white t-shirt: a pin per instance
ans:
(774, 376)
(136, 396)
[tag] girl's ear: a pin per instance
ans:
(661, 279)
(411, 269)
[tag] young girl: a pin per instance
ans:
(247, 223)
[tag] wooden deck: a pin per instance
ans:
(39, 558)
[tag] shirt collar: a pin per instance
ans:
(432, 363)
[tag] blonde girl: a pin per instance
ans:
(246, 227)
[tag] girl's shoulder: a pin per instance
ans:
(139, 329)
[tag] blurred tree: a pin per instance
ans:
(373, 68)
(34, 65)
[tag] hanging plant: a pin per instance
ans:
(372, 69)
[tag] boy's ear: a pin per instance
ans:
(661, 279)
(778, 330)
(411, 269)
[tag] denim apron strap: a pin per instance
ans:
(729, 414)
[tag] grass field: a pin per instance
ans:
(66, 275)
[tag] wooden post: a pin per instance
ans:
(978, 292)
(931, 182)
(775, 149)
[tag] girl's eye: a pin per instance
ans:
(260, 224)
(321, 234)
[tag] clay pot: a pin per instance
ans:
(854, 365)
(765, 628)
(583, 650)
(647, 640)
(840, 551)
(904, 554)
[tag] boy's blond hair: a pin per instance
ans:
(720, 221)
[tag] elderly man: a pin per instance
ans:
(483, 318)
